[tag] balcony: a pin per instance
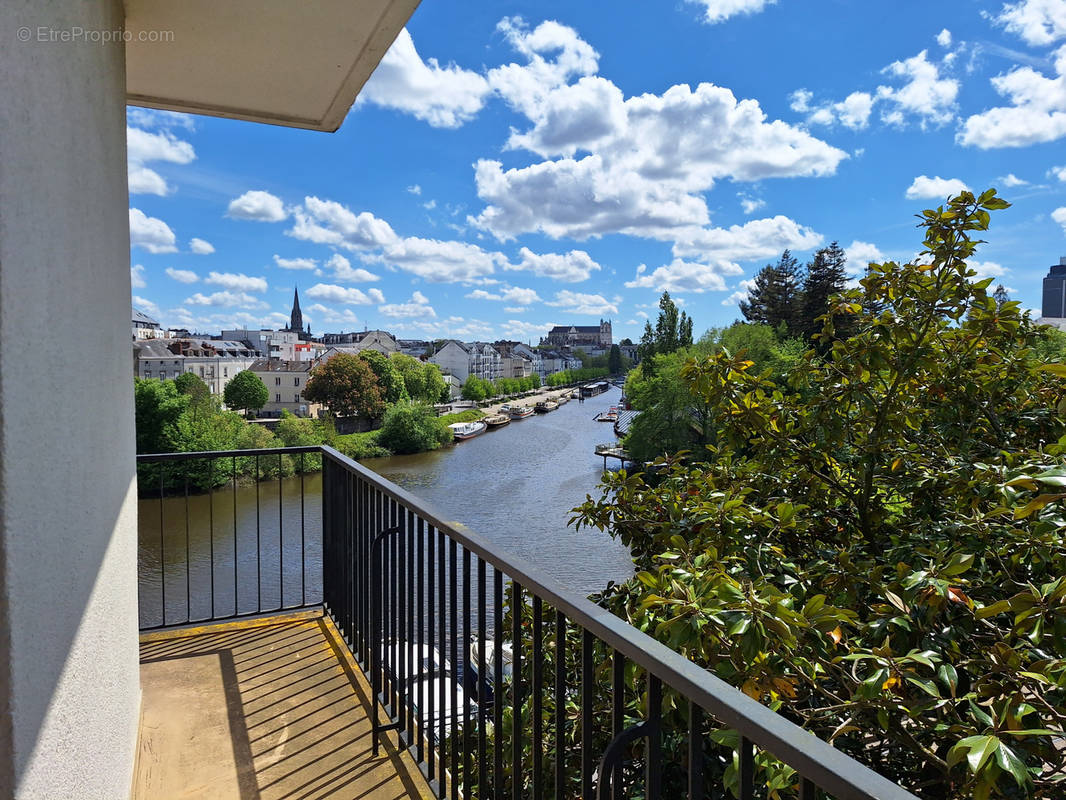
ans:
(320, 633)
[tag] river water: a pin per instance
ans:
(514, 486)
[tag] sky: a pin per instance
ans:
(516, 165)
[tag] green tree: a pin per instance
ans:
(673, 330)
(413, 428)
(874, 546)
(614, 360)
(423, 379)
(347, 386)
(390, 379)
(157, 406)
(246, 391)
(775, 298)
(825, 277)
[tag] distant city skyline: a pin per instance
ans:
(514, 166)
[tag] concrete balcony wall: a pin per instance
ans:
(69, 686)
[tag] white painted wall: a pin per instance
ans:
(68, 596)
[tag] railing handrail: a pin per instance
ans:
(832, 770)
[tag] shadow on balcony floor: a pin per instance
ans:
(269, 711)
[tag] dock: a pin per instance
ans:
(613, 451)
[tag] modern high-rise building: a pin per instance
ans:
(1054, 302)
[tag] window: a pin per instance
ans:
(277, 397)
(277, 381)
(296, 398)
(297, 382)
(162, 375)
(225, 372)
(201, 372)
(148, 373)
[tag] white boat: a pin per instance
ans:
(421, 672)
(467, 430)
(474, 669)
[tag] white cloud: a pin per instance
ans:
(415, 189)
(143, 147)
(295, 263)
(1011, 180)
(514, 294)
(137, 277)
(924, 93)
(757, 238)
(151, 233)
(649, 158)
(329, 222)
(683, 276)
(257, 206)
(332, 316)
(227, 298)
(418, 307)
(1059, 215)
(862, 253)
(1038, 22)
(159, 119)
(339, 294)
(342, 270)
(595, 305)
(944, 38)
(721, 10)
(572, 267)
(1058, 172)
(986, 269)
(445, 97)
(1037, 110)
(936, 188)
(182, 275)
(236, 281)
(520, 329)
(743, 289)
(441, 261)
(147, 306)
(750, 204)
(201, 247)
(854, 110)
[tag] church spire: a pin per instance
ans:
(296, 319)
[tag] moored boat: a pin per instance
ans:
(544, 406)
(611, 415)
(520, 412)
(562, 399)
(467, 430)
(497, 420)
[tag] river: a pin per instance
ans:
(514, 486)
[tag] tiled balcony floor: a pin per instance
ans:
(260, 712)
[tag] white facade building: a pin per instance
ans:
(215, 362)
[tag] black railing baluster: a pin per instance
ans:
(588, 755)
(746, 773)
(516, 691)
(808, 791)
(482, 683)
(431, 644)
(497, 683)
(453, 682)
(409, 628)
(468, 760)
(653, 760)
(538, 692)
(695, 752)
(303, 537)
(420, 659)
(560, 705)
(618, 720)
(163, 550)
(258, 545)
(188, 562)
(442, 715)
(211, 537)
(281, 536)
(233, 478)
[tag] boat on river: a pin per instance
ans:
(519, 412)
(562, 399)
(610, 415)
(593, 389)
(467, 430)
(497, 420)
(544, 406)
(427, 678)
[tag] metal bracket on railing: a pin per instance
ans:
(612, 756)
(376, 645)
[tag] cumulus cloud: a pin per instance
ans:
(1059, 215)
(1058, 172)
(417, 307)
(852, 112)
(146, 305)
(143, 147)
(720, 10)
(201, 247)
(295, 263)
(151, 233)
(236, 281)
(936, 188)
(987, 269)
(1010, 180)
(944, 38)
(332, 316)
(750, 204)
(182, 275)
(514, 294)
(329, 222)
(572, 267)
(257, 206)
(441, 261)
(445, 97)
(758, 238)
(137, 277)
(684, 276)
(1038, 22)
(1036, 114)
(743, 290)
(342, 270)
(415, 189)
(339, 294)
(860, 254)
(227, 298)
(595, 305)
(924, 93)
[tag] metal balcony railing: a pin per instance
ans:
(500, 682)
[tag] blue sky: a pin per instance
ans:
(514, 165)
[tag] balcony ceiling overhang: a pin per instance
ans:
(299, 63)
